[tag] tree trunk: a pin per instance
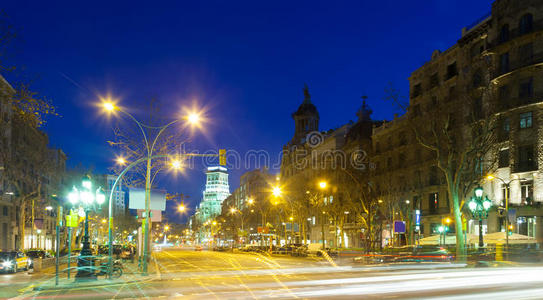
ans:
(457, 213)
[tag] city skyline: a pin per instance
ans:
(242, 107)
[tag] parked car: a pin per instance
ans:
(198, 248)
(13, 261)
(34, 254)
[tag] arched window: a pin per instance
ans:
(525, 24)
(477, 79)
(504, 33)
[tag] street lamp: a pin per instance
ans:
(479, 209)
(194, 119)
(87, 200)
(277, 191)
(181, 208)
(507, 226)
(322, 187)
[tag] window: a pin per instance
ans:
(525, 24)
(433, 180)
(452, 70)
(5, 211)
(526, 88)
(389, 162)
(526, 120)
(478, 108)
(417, 90)
(505, 128)
(452, 92)
(504, 33)
(477, 79)
(434, 100)
(526, 53)
(504, 63)
(503, 94)
(503, 161)
(526, 161)
(526, 192)
(401, 162)
(433, 202)
(434, 80)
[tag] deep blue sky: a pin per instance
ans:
(245, 60)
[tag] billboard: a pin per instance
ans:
(156, 215)
(137, 199)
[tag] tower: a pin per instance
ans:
(217, 189)
(306, 118)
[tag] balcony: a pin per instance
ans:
(525, 167)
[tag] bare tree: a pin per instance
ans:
(460, 133)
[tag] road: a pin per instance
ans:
(190, 274)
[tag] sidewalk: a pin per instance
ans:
(131, 274)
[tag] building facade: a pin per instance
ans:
(216, 190)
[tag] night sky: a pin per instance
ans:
(245, 61)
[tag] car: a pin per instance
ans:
(34, 254)
(13, 261)
(198, 248)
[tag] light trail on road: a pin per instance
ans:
(220, 275)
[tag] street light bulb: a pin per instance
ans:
(121, 161)
(232, 210)
(104, 221)
(167, 228)
(277, 191)
(448, 220)
(490, 177)
(176, 164)
(291, 218)
(250, 201)
(181, 208)
(100, 196)
(472, 205)
(193, 118)
(322, 184)
(109, 106)
(487, 204)
(214, 223)
(73, 196)
(478, 192)
(49, 208)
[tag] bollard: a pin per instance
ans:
(37, 264)
(499, 252)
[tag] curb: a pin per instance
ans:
(98, 283)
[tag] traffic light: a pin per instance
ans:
(510, 230)
(222, 157)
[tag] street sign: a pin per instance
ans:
(59, 216)
(222, 157)
(416, 220)
(72, 220)
(512, 215)
(137, 199)
(399, 227)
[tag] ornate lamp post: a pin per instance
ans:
(87, 200)
(479, 209)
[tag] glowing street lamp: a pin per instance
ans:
(322, 185)
(192, 118)
(251, 201)
(181, 208)
(479, 209)
(277, 191)
(86, 200)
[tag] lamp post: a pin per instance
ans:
(479, 209)
(506, 184)
(322, 187)
(192, 118)
(87, 200)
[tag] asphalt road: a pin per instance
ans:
(222, 275)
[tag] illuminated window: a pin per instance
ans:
(526, 120)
